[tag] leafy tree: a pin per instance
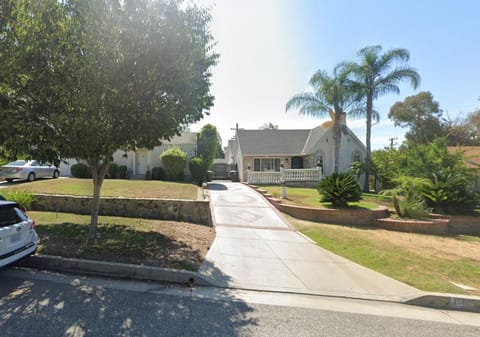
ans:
(422, 114)
(174, 159)
(386, 166)
(331, 95)
(268, 126)
(377, 74)
(339, 189)
(83, 78)
(452, 182)
(464, 132)
(208, 144)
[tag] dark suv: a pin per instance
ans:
(17, 234)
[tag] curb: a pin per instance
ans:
(147, 273)
(447, 302)
(113, 269)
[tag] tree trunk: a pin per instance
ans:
(98, 175)
(337, 134)
(366, 185)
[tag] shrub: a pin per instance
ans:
(408, 196)
(174, 160)
(122, 172)
(198, 170)
(452, 193)
(158, 173)
(339, 189)
(23, 199)
(148, 174)
(113, 171)
(80, 170)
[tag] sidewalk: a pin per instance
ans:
(256, 249)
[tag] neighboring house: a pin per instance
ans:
(266, 150)
(471, 156)
(141, 160)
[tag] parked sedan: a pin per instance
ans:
(18, 238)
(28, 170)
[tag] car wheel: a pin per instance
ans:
(9, 180)
(56, 174)
(31, 176)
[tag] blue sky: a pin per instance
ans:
(270, 48)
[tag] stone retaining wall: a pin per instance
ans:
(161, 209)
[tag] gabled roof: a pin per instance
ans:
(272, 142)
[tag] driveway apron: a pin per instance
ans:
(255, 248)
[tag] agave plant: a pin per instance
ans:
(339, 189)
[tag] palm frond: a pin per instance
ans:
(307, 104)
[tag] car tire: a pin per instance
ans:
(31, 176)
(56, 174)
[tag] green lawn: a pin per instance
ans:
(168, 244)
(111, 188)
(309, 197)
(426, 262)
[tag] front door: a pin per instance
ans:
(297, 162)
(141, 162)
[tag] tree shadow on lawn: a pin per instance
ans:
(120, 243)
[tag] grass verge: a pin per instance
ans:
(425, 262)
(110, 188)
(168, 244)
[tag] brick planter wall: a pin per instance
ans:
(435, 226)
(353, 217)
(439, 224)
(461, 224)
(161, 209)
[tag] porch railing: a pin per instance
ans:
(273, 178)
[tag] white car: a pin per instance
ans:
(28, 170)
(18, 238)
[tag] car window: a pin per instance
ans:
(20, 214)
(17, 163)
(9, 216)
(33, 163)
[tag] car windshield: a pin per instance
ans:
(18, 163)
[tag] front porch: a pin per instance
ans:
(289, 175)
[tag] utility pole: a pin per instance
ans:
(392, 142)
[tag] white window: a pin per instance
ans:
(356, 156)
(266, 164)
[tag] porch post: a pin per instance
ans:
(282, 181)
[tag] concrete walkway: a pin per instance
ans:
(256, 249)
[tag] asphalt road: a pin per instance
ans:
(37, 304)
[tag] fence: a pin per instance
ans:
(293, 175)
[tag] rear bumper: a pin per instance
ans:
(20, 253)
(18, 175)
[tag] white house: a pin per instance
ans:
(141, 160)
(266, 150)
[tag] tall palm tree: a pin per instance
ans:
(331, 95)
(376, 75)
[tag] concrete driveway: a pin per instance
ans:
(255, 248)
